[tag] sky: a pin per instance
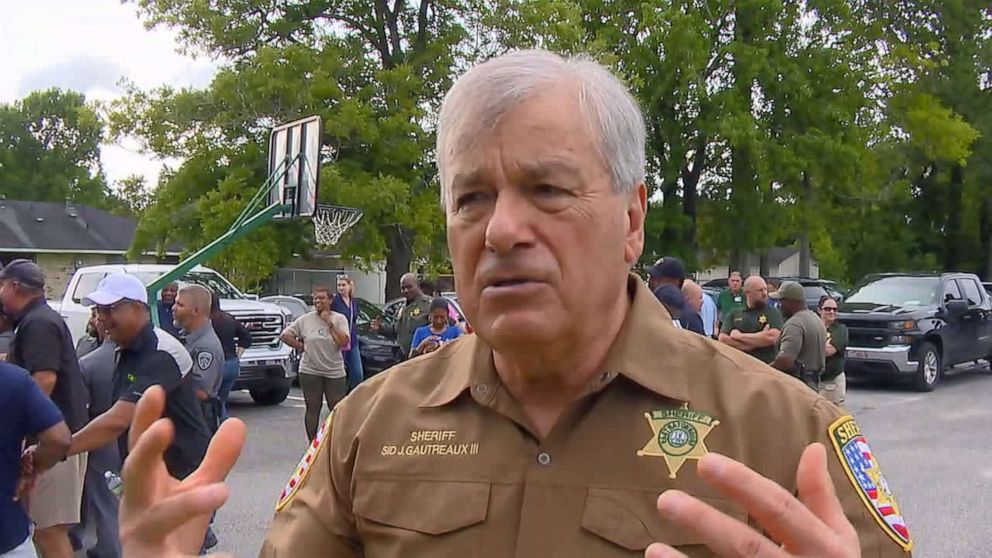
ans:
(88, 46)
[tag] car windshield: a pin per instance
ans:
(896, 291)
(367, 312)
(211, 280)
(814, 292)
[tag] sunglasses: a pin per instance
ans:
(829, 308)
(109, 309)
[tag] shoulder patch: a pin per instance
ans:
(865, 474)
(204, 359)
(303, 469)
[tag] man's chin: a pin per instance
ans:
(509, 332)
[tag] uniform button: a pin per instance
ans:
(481, 388)
(543, 459)
(604, 376)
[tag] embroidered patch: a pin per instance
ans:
(204, 359)
(303, 469)
(677, 436)
(865, 474)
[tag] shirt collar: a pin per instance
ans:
(649, 350)
(28, 308)
(144, 337)
(192, 336)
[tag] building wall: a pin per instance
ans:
(299, 277)
(59, 268)
(790, 267)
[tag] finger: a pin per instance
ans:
(817, 491)
(724, 535)
(144, 466)
(168, 515)
(150, 408)
(658, 550)
(781, 515)
(225, 448)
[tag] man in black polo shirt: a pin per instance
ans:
(148, 356)
(43, 346)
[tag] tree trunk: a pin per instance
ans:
(804, 265)
(953, 238)
(985, 232)
(764, 264)
(399, 257)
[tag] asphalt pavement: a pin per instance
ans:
(934, 449)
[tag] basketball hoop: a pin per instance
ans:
(332, 221)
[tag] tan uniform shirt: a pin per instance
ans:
(435, 458)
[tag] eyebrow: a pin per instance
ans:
(536, 170)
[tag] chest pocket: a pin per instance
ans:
(625, 522)
(421, 518)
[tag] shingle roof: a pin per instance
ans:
(50, 226)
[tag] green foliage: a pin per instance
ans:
(860, 126)
(50, 149)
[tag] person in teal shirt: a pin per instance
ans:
(732, 298)
(429, 338)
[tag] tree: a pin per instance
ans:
(50, 149)
(375, 74)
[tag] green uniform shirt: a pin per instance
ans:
(753, 320)
(413, 315)
(728, 301)
(836, 336)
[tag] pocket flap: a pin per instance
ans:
(430, 507)
(630, 519)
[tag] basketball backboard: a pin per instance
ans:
(297, 144)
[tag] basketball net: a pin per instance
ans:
(332, 221)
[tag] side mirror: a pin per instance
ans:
(956, 307)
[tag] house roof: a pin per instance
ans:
(27, 226)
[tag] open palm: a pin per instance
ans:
(161, 515)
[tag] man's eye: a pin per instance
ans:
(468, 199)
(548, 190)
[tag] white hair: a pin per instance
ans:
(486, 92)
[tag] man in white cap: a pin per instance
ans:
(148, 356)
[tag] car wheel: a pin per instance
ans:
(930, 369)
(267, 397)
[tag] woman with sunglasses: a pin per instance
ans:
(833, 383)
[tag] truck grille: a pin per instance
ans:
(265, 328)
(866, 333)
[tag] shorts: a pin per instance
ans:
(57, 497)
(835, 390)
(23, 550)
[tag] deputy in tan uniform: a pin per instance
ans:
(416, 312)
(552, 431)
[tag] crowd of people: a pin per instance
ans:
(94, 385)
(577, 401)
(776, 328)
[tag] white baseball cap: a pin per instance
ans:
(115, 288)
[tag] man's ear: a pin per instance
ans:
(637, 208)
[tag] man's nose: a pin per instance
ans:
(510, 225)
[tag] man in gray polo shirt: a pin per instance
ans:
(192, 312)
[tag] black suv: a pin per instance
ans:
(916, 326)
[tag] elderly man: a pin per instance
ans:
(415, 313)
(754, 329)
(551, 431)
(694, 296)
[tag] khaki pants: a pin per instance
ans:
(835, 390)
(57, 497)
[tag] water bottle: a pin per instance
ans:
(115, 483)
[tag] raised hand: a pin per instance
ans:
(161, 515)
(812, 525)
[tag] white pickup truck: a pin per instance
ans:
(266, 367)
